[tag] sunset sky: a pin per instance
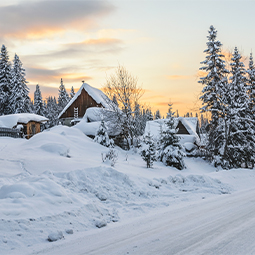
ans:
(160, 42)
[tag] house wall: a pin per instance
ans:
(83, 102)
(32, 128)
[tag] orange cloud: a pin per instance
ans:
(178, 77)
(42, 76)
(101, 41)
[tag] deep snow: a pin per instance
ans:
(57, 183)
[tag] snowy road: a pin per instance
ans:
(222, 225)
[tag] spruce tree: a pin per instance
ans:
(63, 97)
(171, 153)
(19, 100)
(72, 93)
(102, 137)
(52, 111)
(149, 150)
(214, 96)
(251, 85)
(38, 102)
(240, 144)
(5, 82)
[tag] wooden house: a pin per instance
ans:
(85, 98)
(25, 124)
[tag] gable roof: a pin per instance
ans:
(11, 120)
(190, 123)
(95, 93)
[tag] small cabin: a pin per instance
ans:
(86, 97)
(21, 125)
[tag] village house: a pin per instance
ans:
(85, 98)
(21, 124)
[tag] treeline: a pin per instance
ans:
(14, 92)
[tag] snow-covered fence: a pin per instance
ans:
(10, 132)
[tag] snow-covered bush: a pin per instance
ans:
(149, 150)
(111, 156)
(102, 137)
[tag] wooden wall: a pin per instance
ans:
(182, 130)
(31, 128)
(83, 102)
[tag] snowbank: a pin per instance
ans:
(56, 183)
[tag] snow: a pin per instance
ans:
(95, 93)
(56, 184)
(11, 120)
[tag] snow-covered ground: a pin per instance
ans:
(55, 186)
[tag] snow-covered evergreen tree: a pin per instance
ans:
(102, 137)
(149, 150)
(240, 146)
(38, 102)
(63, 97)
(214, 95)
(72, 93)
(251, 84)
(52, 111)
(19, 100)
(157, 115)
(5, 82)
(171, 151)
(149, 114)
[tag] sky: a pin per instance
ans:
(159, 42)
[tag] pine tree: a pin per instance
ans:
(214, 95)
(19, 100)
(63, 97)
(240, 144)
(102, 137)
(72, 93)
(5, 82)
(171, 153)
(38, 102)
(149, 150)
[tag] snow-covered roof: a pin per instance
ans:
(95, 93)
(93, 114)
(12, 120)
(190, 124)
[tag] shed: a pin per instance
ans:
(28, 123)
(86, 97)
